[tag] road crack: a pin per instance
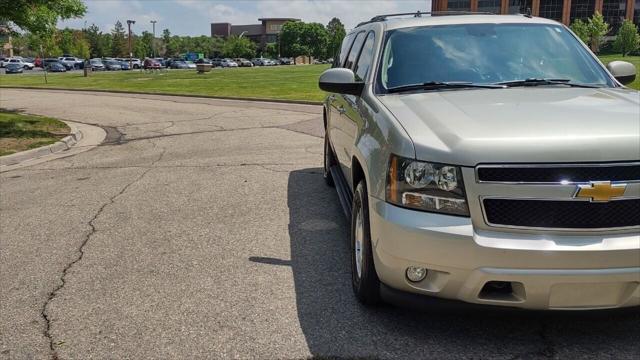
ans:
(80, 253)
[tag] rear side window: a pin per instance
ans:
(355, 50)
(364, 62)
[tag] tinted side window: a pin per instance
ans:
(355, 50)
(344, 50)
(364, 62)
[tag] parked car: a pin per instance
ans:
(3, 60)
(14, 68)
(203, 61)
(124, 65)
(179, 64)
(96, 64)
(286, 61)
(257, 61)
(151, 64)
(55, 67)
(161, 61)
(112, 65)
(25, 65)
(135, 63)
(71, 62)
(191, 65)
(243, 62)
(229, 63)
(510, 177)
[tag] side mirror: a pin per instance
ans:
(341, 81)
(623, 71)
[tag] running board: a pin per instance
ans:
(344, 193)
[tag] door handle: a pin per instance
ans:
(342, 110)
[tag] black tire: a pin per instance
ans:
(329, 161)
(366, 285)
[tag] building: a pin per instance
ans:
(264, 33)
(565, 11)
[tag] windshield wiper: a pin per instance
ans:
(436, 85)
(544, 82)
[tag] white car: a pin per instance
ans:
(229, 63)
(71, 62)
(191, 65)
(25, 65)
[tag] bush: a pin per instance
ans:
(598, 28)
(581, 29)
(627, 40)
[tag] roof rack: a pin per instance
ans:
(418, 14)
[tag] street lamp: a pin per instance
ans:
(153, 42)
(129, 23)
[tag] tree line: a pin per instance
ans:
(297, 38)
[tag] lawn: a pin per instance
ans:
(19, 132)
(281, 82)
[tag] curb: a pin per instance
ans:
(66, 143)
(277, 101)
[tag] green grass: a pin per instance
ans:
(635, 60)
(282, 82)
(19, 132)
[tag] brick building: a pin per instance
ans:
(565, 11)
(264, 33)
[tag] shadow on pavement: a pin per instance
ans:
(334, 324)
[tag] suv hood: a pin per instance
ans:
(521, 125)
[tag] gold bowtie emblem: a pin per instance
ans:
(600, 191)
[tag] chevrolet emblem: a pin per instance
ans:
(600, 191)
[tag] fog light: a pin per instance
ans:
(416, 273)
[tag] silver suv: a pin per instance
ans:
(488, 159)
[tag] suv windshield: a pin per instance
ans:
(486, 54)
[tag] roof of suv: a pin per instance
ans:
(426, 20)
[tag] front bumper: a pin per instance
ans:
(543, 271)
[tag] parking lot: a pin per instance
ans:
(203, 227)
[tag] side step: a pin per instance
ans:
(344, 193)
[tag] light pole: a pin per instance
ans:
(129, 22)
(153, 42)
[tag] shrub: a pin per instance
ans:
(581, 29)
(598, 28)
(627, 40)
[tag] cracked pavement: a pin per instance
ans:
(202, 228)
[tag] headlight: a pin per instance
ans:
(426, 186)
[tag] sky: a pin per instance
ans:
(193, 17)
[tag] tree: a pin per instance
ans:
(65, 40)
(627, 39)
(270, 50)
(94, 38)
(236, 47)
(598, 28)
(40, 16)
(581, 29)
(119, 46)
(291, 39)
(316, 38)
(336, 32)
(166, 38)
(143, 45)
(298, 38)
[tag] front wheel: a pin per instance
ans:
(364, 278)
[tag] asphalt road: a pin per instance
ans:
(202, 229)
